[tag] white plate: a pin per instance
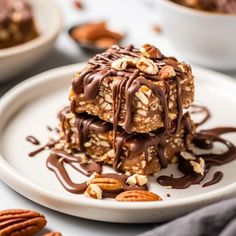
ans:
(14, 60)
(32, 105)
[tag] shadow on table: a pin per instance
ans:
(54, 59)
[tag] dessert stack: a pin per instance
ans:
(128, 110)
(17, 23)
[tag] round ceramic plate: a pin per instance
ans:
(33, 105)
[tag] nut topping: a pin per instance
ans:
(198, 166)
(137, 196)
(106, 184)
(147, 66)
(137, 179)
(132, 61)
(53, 234)
(150, 51)
(119, 64)
(93, 191)
(21, 222)
(94, 175)
(167, 72)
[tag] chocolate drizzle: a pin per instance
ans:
(199, 109)
(56, 161)
(48, 145)
(58, 168)
(85, 124)
(32, 140)
(216, 179)
(139, 143)
(127, 84)
(203, 139)
(180, 183)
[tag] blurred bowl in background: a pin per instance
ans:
(96, 36)
(16, 59)
(203, 38)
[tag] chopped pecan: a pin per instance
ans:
(137, 179)
(93, 191)
(198, 166)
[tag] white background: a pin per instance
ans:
(137, 18)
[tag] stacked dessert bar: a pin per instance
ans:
(17, 23)
(128, 110)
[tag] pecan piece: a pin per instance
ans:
(137, 179)
(93, 191)
(106, 184)
(20, 222)
(137, 196)
(150, 51)
(198, 166)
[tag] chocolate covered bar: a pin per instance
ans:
(139, 90)
(17, 24)
(225, 6)
(128, 153)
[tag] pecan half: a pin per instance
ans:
(106, 184)
(53, 234)
(147, 66)
(167, 72)
(137, 196)
(150, 51)
(20, 222)
(119, 64)
(131, 61)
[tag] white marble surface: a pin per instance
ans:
(137, 17)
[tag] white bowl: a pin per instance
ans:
(203, 38)
(16, 59)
